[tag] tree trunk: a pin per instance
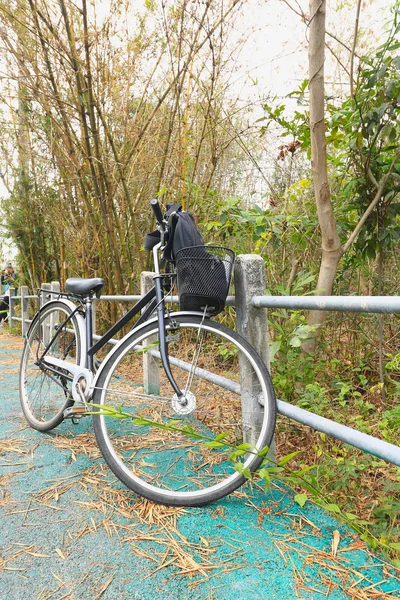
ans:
(380, 322)
(330, 244)
(24, 150)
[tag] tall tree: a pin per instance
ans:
(113, 120)
(331, 250)
(370, 118)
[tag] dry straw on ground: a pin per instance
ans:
(152, 531)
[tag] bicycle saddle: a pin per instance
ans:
(82, 287)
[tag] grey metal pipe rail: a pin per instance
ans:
(362, 304)
(356, 438)
(230, 301)
(248, 300)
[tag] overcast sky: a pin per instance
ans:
(275, 55)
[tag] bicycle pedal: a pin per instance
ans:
(75, 413)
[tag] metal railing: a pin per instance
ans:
(252, 323)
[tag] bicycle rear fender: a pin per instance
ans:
(79, 319)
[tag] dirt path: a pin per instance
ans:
(70, 530)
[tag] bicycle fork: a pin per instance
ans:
(180, 396)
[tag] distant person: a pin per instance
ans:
(8, 275)
(7, 278)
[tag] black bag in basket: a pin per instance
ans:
(182, 233)
(203, 277)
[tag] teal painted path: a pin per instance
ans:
(70, 530)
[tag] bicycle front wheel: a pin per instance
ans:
(46, 393)
(179, 453)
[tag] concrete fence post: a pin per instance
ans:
(11, 311)
(24, 310)
(252, 324)
(151, 373)
(55, 287)
(55, 316)
(44, 298)
(94, 307)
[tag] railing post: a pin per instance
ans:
(252, 324)
(11, 312)
(44, 298)
(24, 310)
(94, 308)
(55, 287)
(151, 374)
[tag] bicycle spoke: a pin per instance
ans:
(206, 367)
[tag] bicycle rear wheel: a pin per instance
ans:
(224, 381)
(44, 393)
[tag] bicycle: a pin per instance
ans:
(191, 386)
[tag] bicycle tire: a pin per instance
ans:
(45, 395)
(156, 462)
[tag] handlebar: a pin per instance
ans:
(157, 212)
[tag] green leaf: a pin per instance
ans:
(350, 516)
(264, 451)
(332, 508)
(288, 457)
(273, 470)
(274, 347)
(301, 499)
(304, 470)
(239, 467)
(214, 444)
(247, 473)
(246, 446)
(140, 422)
(189, 429)
(394, 545)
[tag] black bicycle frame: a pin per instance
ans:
(148, 298)
(154, 299)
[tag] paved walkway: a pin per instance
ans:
(70, 530)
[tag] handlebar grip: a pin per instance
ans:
(157, 211)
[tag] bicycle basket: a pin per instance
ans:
(203, 277)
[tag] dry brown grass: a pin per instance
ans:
(4, 490)
(148, 522)
(334, 570)
(16, 446)
(10, 371)
(9, 341)
(15, 551)
(83, 443)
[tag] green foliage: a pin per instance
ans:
(297, 125)
(314, 397)
(363, 132)
(26, 216)
(362, 142)
(301, 499)
(288, 330)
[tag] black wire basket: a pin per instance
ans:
(203, 277)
